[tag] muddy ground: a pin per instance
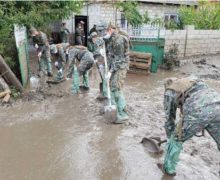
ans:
(53, 135)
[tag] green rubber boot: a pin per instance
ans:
(75, 83)
(49, 67)
(104, 88)
(86, 80)
(173, 149)
(122, 115)
(59, 75)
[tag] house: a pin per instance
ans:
(102, 12)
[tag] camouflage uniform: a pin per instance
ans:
(200, 107)
(118, 58)
(78, 36)
(63, 34)
(86, 61)
(60, 54)
(98, 45)
(44, 60)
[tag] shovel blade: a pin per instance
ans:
(110, 113)
(151, 145)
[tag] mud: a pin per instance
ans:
(50, 134)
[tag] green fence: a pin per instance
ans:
(20, 33)
(155, 46)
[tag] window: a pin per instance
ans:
(171, 17)
(123, 21)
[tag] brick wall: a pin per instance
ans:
(193, 42)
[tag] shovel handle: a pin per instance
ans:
(161, 142)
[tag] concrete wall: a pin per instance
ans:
(193, 42)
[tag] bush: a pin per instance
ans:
(170, 58)
(206, 16)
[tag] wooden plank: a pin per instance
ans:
(141, 55)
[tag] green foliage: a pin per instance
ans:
(172, 25)
(171, 57)
(130, 9)
(29, 13)
(145, 18)
(157, 21)
(206, 16)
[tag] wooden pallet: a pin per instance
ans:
(140, 61)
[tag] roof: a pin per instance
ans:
(174, 2)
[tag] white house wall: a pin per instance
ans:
(157, 10)
(100, 13)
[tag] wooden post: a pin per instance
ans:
(9, 76)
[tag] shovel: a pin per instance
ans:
(110, 111)
(100, 73)
(152, 144)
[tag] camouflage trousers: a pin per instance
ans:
(117, 79)
(45, 64)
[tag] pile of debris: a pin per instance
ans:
(4, 91)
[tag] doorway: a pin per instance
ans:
(86, 26)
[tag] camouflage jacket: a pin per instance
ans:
(80, 54)
(61, 48)
(97, 46)
(117, 52)
(42, 41)
(199, 106)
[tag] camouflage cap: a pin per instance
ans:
(93, 34)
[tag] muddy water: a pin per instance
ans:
(62, 138)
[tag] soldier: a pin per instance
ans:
(59, 52)
(86, 61)
(118, 58)
(97, 44)
(43, 48)
(83, 32)
(93, 29)
(64, 33)
(199, 110)
(78, 34)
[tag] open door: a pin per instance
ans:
(86, 26)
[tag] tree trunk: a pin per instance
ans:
(9, 76)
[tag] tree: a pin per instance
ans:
(130, 9)
(29, 13)
(206, 16)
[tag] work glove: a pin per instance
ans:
(102, 52)
(67, 51)
(108, 76)
(39, 54)
(36, 46)
(95, 60)
(56, 64)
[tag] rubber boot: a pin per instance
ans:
(42, 66)
(86, 81)
(122, 115)
(59, 75)
(49, 67)
(75, 83)
(173, 149)
(104, 89)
